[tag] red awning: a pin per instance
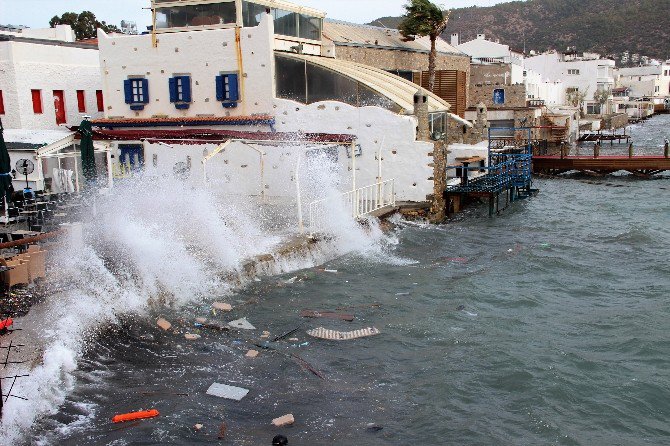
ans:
(205, 136)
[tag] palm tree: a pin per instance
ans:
(423, 18)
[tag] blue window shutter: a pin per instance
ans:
(234, 90)
(186, 88)
(173, 89)
(220, 93)
(145, 90)
(128, 90)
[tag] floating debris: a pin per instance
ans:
(192, 336)
(334, 271)
(222, 306)
(164, 324)
(333, 335)
(242, 324)
(288, 333)
(222, 431)
(327, 315)
(228, 392)
(197, 426)
(252, 353)
(132, 416)
(284, 420)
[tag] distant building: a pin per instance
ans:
(496, 64)
(47, 79)
(586, 74)
(650, 81)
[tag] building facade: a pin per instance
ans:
(49, 81)
(214, 77)
(651, 81)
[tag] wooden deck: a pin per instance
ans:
(602, 165)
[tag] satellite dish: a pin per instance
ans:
(181, 171)
(25, 167)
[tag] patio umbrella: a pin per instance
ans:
(6, 188)
(87, 151)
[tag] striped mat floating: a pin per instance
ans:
(342, 335)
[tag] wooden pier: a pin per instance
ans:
(641, 165)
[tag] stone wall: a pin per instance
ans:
(401, 60)
(497, 74)
(515, 95)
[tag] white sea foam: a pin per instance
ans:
(160, 238)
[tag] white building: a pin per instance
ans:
(586, 74)
(488, 52)
(218, 80)
(651, 81)
(47, 80)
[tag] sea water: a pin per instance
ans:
(545, 325)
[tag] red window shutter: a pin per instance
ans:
(37, 101)
(81, 101)
(2, 104)
(101, 102)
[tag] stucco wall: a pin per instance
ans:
(28, 66)
(203, 55)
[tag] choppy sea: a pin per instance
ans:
(547, 324)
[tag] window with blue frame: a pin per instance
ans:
(227, 89)
(499, 96)
(136, 92)
(180, 91)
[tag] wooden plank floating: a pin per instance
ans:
(333, 335)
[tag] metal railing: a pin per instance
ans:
(356, 203)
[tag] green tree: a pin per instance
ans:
(423, 18)
(84, 25)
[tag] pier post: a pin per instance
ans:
(666, 149)
(630, 150)
(596, 150)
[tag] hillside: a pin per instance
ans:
(603, 26)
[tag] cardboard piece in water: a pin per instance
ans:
(333, 335)
(242, 324)
(228, 392)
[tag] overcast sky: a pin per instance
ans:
(37, 13)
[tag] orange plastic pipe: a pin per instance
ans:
(135, 416)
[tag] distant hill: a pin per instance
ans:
(602, 26)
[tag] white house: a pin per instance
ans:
(651, 81)
(494, 53)
(587, 74)
(48, 80)
(237, 93)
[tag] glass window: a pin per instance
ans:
(252, 13)
(309, 83)
(438, 125)
(291, 80)
(196, 15)
(309, 27)
(286, 22)
(326, 85)
(367, 97)
(498, 96)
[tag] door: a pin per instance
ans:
(59, 106)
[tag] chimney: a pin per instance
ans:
(454, 39)
(481, 36)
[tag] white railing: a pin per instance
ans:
(356, 203)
